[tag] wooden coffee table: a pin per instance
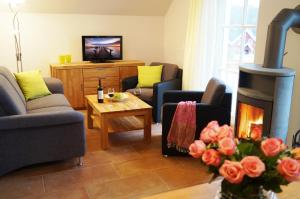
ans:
(119, 116)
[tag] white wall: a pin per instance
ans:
(268, 10)
(46, 36)
(175, 31)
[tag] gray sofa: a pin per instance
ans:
(41, 130)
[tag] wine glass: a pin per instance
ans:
(111, 92)
(137, 91)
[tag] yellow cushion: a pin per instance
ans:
(149, 75)
(32, 84)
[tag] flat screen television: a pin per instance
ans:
(101, 48)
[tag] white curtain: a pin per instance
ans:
(201, 56)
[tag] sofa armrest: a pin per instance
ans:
(54, 85)
(36, 120)
(158, 91)
(129, 82)
(178, 96)
(174, 84)
(204, 114)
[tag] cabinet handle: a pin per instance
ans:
(100, 68)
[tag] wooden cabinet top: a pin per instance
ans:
(87, 64)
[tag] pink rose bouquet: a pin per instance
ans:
(248, 164)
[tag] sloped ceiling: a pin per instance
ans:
(101, 7)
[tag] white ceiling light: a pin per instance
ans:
(15, 2)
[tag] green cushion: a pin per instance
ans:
(149, 75)
(32, 84)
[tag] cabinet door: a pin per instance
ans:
(73, 86)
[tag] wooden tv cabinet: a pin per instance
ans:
(80, 79)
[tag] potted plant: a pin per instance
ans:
(251, 166)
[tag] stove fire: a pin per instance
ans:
(250, 118)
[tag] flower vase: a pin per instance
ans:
(262, 194)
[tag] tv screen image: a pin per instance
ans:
(101, 48)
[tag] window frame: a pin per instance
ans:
(228, 70)
(243, 26)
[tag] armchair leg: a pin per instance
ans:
(80, 161)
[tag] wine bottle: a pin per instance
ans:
(100, 92)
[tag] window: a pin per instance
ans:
(237, 39)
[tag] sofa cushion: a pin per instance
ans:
(146, 94)
(10, 101)
(54, 100)
(169, 71)
(214, 92)
(50, 109)
(32, 84)
(12, 80)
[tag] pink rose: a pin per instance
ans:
(227, 146)
(197, 148)
(211, 157)
(210, 132)
(256, 134)
(253, 166)
(271, 147)
(225, 131)
(208, 135)
(289, 168)
(233, 172)
(282, 145)
(213, 125)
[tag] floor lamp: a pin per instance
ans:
(14, 6)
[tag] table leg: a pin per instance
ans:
(104, 132)
(147, 126)
(89, 114)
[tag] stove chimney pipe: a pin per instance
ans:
(276, 37)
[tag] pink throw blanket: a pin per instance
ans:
(183, 127)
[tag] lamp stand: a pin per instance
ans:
(17, 37)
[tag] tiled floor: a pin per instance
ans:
(129, 169)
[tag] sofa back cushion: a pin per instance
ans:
(12, 80)
(12, 101)
(214, 92)
(169, 71)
